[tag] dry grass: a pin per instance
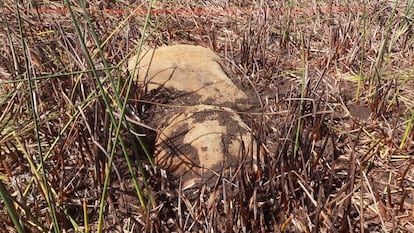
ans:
(336, 91)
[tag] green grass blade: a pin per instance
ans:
(47, 191)
(109, 108)
(9, 206)
(407, 130)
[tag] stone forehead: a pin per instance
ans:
(191, 69)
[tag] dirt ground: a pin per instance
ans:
(334, 88)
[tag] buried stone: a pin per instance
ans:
(202, 141)
(204, 137)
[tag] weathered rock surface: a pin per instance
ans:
(194, 71)
(202, 140)
(205, 136)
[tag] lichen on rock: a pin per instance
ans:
(202, 140)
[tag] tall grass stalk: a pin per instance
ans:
(403, 29)
(382, 59)
(105, 98)
(363, 55)
(123, 105)
(119, 103)
(9, 206)
(302, 98)
(28, 74)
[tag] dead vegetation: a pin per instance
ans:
(334, 85)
